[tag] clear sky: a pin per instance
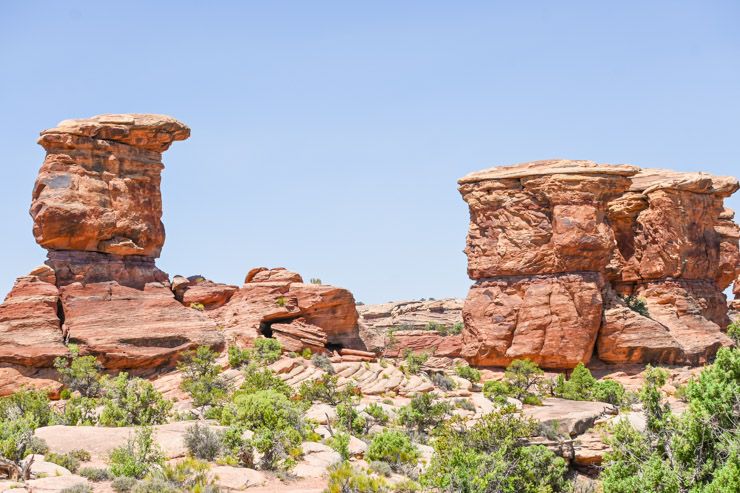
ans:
(327, 137)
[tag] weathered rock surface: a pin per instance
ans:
(277, 302)
(98, 189)
(196, 290)
(551, 243)
(572, 417)
(553, 320)
(97, 208)
(30, 328)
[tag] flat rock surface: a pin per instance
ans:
(573, 417)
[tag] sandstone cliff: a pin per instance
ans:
(553, 244)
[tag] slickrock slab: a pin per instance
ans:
(573, 417)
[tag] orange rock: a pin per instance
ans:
(98, 189)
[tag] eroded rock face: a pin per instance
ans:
(277, 303)
(657, 235)
(98, 189)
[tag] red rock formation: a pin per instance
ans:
(197, 291)
(96, 207)
(550, 242)
(278, 300)
(98, 189)
(547, 217)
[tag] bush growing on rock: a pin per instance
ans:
(96, 475)
(394, 448)
(133, 402)
(377, 412)
(202, 442)
(583, 387)
(322, 361)
(457, 328)
(263, 379)
(523, 376)
(443, 381)
(29, 403)
(696, 450)
(497, 391)
(340, 442)
(425, 412)
(636, 304)
(491, 456)
(80, 373)
(67, 461)
(189, 475)
(15, 439)
(137, 456)
(268, 350)
(201, 378)
(238, 450)
(343, 478)
(239, 358)
(123, 484)
(78, 488)
(276, 421)
(468, 373)
(78, 411)
(414, 361)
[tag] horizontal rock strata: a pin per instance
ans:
(557, 247)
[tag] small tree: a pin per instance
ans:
(201, 378)
(392, 447)
(733, 332)
(468, 372)
(133, 402)
(424, 412)
(414, 361)
(268, 349)
(137, 456)
(80, 373)
(523, 375)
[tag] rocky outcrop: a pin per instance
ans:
(417, 325)
(277, 303)
(98, 189)
(552, 246)
(97, 209)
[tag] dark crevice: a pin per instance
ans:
(266, 329)
(331, 347)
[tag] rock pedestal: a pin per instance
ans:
(97, 209)
(552, 244)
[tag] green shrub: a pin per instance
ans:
(636, 304)
(343, 478)
(239, 358)
(123, 484)
(191, 475)
(28, 403)
(532, 400)
(377, 412)
(733, 332)
(392, 447)
(465, 404)
(414, 361)
(80, 373)
(382, 468)
(15, 440)
(202, 442)
(457, 328)
(276, 421)
(239, 450)
(423, 413)
(137, 456)
(322, 361)
(67, 461)
(78, 411)
(38, 446)
(315, 281)
(256, 378)
(133, 402)
(610, 392)
(523, 376)
(443, 381)
(268, 350)
(491, 456)
(78, 488)
(201, 378)
(81, 455)
(280, 302)
(497, 391)
(441, 329)
(340, 442)
(96, 475)
(468, 373)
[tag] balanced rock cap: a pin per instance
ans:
(148, 131)
(548, 167)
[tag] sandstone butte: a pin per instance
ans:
(97, 208)
(558, 248)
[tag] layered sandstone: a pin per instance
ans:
(97, 209)
(551, 243)
(277, 303)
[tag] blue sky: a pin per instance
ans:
(327, 137)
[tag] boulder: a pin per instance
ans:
(572, 417)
